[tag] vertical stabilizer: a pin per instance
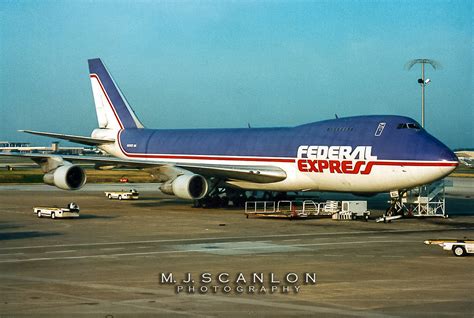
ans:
(113, 110)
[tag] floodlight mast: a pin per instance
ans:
(422, 80)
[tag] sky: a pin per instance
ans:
(216, 64)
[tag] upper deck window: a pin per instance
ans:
(380, 129)
(340, 129)
(408, 126)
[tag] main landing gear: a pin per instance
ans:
(220, 197)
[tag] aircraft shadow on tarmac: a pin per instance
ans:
(5, 226)
(449, 222)
(25, 234)
(158, 199)
(93, 216)
(159, 203)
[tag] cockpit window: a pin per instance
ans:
(408, 126)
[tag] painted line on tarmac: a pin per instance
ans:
(67, 251)
(200, 250)
(234, 238)
(9, 254)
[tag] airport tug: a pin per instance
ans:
(71, 211)
(131, 194)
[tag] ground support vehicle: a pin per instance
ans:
(459, 247)
(71, 211)
(131, 194)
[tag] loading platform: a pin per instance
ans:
(287, 209)
(424, 201)
(337, 210)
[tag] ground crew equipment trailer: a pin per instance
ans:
(459, 247)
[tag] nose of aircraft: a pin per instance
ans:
(433, 150)
(447, 155)
(446, 158)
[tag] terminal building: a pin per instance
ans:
(25, 147)
(9, 144)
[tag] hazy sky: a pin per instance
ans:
(201, 64)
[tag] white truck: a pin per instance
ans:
(355, 209)
(71, 211)
(131, 194)
(459, 247)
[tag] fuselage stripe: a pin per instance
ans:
(416, 163)
(213, 158)
(276, 159)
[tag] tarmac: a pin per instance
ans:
(116, 260)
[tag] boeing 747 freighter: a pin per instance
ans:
(363, 154)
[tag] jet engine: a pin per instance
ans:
(186, 186)
(67, 177)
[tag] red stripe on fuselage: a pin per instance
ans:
(259, 159)
(276, 159)
(265, 159)
(416, 163)
(200, 157)
(108, 99)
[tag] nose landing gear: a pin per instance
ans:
(397, 207)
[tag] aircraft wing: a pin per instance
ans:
(258, 174)
(78, 139)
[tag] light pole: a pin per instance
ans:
(422, 81)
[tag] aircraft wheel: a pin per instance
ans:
(53, 216)
(459, 251)
(196, 203)
(225, 202)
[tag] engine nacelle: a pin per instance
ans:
(67, 177)
(186, 186)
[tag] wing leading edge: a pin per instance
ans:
(77, 139)
(257, 174)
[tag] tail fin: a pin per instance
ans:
(113, 110)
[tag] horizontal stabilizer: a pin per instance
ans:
(77, 139)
